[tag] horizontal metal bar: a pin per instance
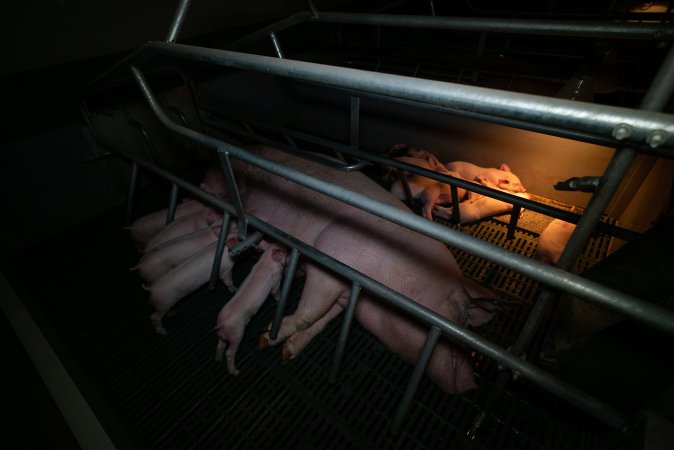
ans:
(560, 388)
(613, 230)
(612, 299)
(590, 29)
(561, 113)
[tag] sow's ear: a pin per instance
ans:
(480, 304)
(505, 167)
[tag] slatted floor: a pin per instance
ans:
(168, 393)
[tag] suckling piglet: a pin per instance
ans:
(165, 257)
(185, 225)
(144, 228)
(235, 315)
(184, 279)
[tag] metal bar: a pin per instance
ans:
(413, 383)
(276, 44)
(590, 29)
(293, 146)
(219, 250)
(245, 244)
(613, 230)
(146, 138)
(355, 121)
(456, 212)
(173, 201)
(563, 390)
(514, 217)
(312, 8)
(233, 191)
(344, 332)
(614, 174)
(406, 186)
(285, 291)
(178, 19)
(281, 25)
(133, 182)
(556, 112)
(622, 303)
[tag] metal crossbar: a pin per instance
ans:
(639, 130)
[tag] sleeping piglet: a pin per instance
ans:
(187, 277)
(479, 206)
(264, 277)
(501, 177)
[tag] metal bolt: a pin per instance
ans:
(656, 138)
(622, 131)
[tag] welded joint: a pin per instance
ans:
(250, 241)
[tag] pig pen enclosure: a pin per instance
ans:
(579, 359)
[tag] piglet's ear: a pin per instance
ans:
(505, 167)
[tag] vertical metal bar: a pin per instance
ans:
(276, 44)
(312, 8)
(285, 290)
(154, 156)
(456, 213)
(219, 250)
(355, 121)
(344, 332)
(406, 186)
(132, 193)
(655, 99)
(173, 201)
(514, 217)
(234, 193)
(291, 141)
(417, 373)
(178, 19)
(480, 53)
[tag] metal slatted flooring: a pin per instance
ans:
(170, 394)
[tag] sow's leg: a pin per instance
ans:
(321, 291)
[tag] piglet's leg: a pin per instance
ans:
(296, 343)
(321, 291)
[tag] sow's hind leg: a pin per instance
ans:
(321, 291)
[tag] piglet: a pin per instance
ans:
(184, 279)
(185, 225)
(501, 177)
(553, 240)
(479, 206)
(165, 257)
(144, 228)
(233, 318)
